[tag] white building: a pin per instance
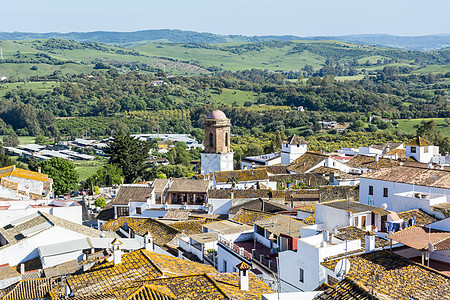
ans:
(301, 270)
(292, 148)
(68, 210)
(421, 149)
(403, 188)
(243, 179)
(20, 184)
(270, 159)
(20, 239)
(217, 155)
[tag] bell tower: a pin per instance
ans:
(217, 155)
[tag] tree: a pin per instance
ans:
(107, 175)
(5, 160)
(11, 140)
(63, 173)
(100, 202)
(129, 154)
(41, 140)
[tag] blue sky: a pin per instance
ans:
(256, 17)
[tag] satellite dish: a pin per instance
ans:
(430, 247)
(384, 206)
(102, 234)
(342, 268)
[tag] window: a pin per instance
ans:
(224, 265)
(138, 211)
(259, 230)
(122, 211)
(385, 192)
(371, 190)
(211, 139)
(413, 149)
(226, 139)
(298, 145)
(301, 275)
(425, 149)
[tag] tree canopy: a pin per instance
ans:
(128, 154)
(63, 173)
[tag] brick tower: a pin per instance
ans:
(217, 155)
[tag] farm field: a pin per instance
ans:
(410, 126)
(87, 168)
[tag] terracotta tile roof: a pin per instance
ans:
(413, 175)
(248, 216)
(306, 162)
(399, 277)
(280, 224)
(369, 162)
(400, 152)
(275, 169)
(252, 193)
(310, 220)
(132, 193)
(346, 289)
(31, 289)
(311, 179)
(187, 227)
(227, 227)
(260, 205)
(219, 194)
(307, 208)
(242, 175)
(229, 283)
(181, 185)
(355, 207)
(418, 141)
(439, 292)
(422, 218)
(419, 237)
(107, 213)
(294, 140)
(17, 172)
(353, 233)
(140, 265)
(326, 170)
(159, 185)
(8, 272)
(162, 233)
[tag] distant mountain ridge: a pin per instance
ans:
(427, 42)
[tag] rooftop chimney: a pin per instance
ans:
(117, 253)
(369, 239)
(430, 165)
(243, 275)
(149, 242)
(39, 170)
(377, 158)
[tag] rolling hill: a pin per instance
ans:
(427, 43)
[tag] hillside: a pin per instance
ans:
(23, 59)
(427, 43)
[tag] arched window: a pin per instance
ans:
(211, 139)
(226, 139)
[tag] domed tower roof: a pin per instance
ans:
(217, 115)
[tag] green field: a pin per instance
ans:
(194, 59)
(38, 87)
(87, 168)
(233, 97)
(410, 126)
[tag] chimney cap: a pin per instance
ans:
(116, 241)
(243, 266)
